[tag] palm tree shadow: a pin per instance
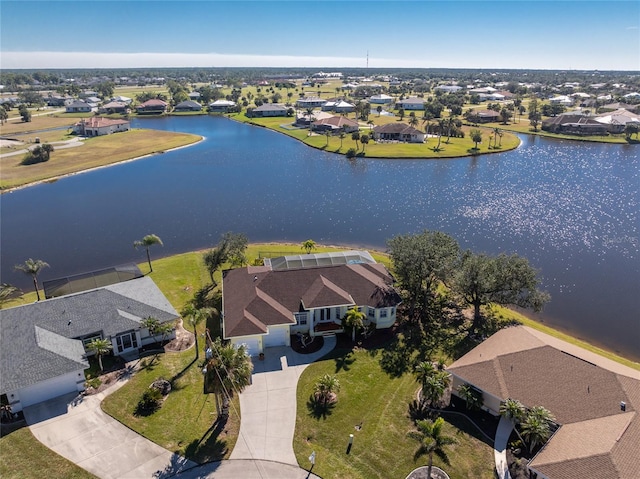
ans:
(209, 447)
(318, 409)
(182, 373)
(344, 362)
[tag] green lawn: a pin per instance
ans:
(22, 456)
(368, 396)
(457, 147)
(184, 423)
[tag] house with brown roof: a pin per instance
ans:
(308, 294)
(97, 126)
(152, 106)
(335, 124)
(574, 124)
(398, 132)
(483, 116)
(596, 401)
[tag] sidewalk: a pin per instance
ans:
(505, 426)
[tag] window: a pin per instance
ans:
(87, 340)
(383, 313)
(371, 312)
(126, 341)
(301, 318)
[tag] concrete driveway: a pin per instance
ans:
(268, 405)
(76, 428)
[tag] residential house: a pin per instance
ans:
(574, 124)
(310, 102)
(483, 116)
(123, 99)
(115, 107)
(307, 294)
(221, 106)
(338, 106)
(42, 345)
(97, 126)
(448, 88)
(335, 124)
(188, 105)
(269, 109)
(152, 106)
(595, 401)
(616, 121)
(194, 95)
(57, 100)
(381, 99)
(304, 119)
(412, 103)
(93, 101)
(79, 107)
(398, 132)
(561, 100)
(618, 106)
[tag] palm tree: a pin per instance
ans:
(214, 259)
(413, 121)
(513, 410)
(146, 242)
(100, 347)
(476, 137)
(441, 124)
(353, 320)
(364, 139)
(227, 372)
(151, 324)
(308, 245)
(536, 426)
(326, 387)
(426, 119)
(32, 268)
(451, 120)
(342, 135)
(195, 316)
(432, 439)
(355, 136)
(328, 135)
(471, 396)
(379, 110)
(6, 291)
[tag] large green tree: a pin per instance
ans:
(227, 372)
(481, 279)
(421, 262)
(476, 137)
(432, 439)
(32, 267)
(214, 259)
(146, 243)
(236, 247)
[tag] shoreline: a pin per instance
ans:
(523, 316)
(53, 179)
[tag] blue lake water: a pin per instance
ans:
(571, 208)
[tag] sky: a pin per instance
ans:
(541, 34)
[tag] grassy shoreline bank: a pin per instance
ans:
(179, 275)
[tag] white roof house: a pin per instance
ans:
(380, 99)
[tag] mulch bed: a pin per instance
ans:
(310, 347)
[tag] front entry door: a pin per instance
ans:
(126, 342)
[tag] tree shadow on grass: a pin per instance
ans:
(176, 465)
(175, 378)
(209, 447)
(318, 409)
(344, 362)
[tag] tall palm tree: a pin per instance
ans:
(326, 386)
(328, 135)
(342, 136)
(147, 242)
(308, 245)
(364, 139)
(227, 372)
(432, 439)
(355, 136)
(353, 320)
(195, 316)
(32, 268)
(100, 347)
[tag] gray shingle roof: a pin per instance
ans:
(36, 340)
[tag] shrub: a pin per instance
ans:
(351, 153)
(149, 403)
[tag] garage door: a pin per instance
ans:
(48, 389)
(275, 338)
(252, 345)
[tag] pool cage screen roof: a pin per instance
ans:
(86, 281)
(315, 260)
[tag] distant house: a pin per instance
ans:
(595, 401)
(448, 88)
(115, 107)
(412, 103)
(152, 106)
(56, 100)
(269, 109)
(398, 132)
(310, 102)
(616, 121)
(188, 105)
(221, 106)
(123, 99)
(96, 126)
(381, 99)
(194, 95)
(42, 345)
(335, 124)
(483, 116)
(303, 119)
(308, 294)
(561, 100)
(574, 125)
(79, 107)
(617, 106)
